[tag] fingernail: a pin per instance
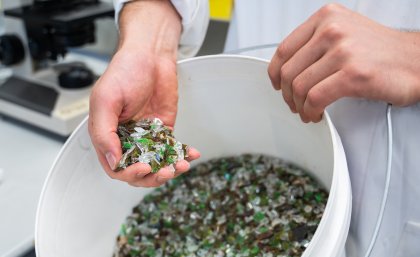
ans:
(111, 160)
(293, 108)
(161, 180)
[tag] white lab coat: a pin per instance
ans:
(195, 18)
(360, 123)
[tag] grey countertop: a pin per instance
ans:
(25, 159)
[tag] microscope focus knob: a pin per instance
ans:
(11, 49)
(76, 77)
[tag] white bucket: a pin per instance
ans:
(227, 106)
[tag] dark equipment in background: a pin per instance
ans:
(53, 26)
(38, 38)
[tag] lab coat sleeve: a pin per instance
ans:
(195, 19)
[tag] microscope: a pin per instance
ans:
(42, 89)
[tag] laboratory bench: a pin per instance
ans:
(26, 155)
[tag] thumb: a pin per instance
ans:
(103, 123)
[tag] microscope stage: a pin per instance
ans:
(41, 104)
(29, 94)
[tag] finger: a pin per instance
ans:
(155, 179)
(103, 122)
(288, 98)
(184, 165)
(323, 94)
(304, 57)
(181, 167)
(304, 117)
(104, 161)
(312, 75)
(132, 173)
(193, 154)
(297, 39)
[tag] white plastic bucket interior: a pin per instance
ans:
(227, 106)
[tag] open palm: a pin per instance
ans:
(134, 86)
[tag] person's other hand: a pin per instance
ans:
(139, 82)
(338, 53)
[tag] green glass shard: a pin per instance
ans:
(255, 211)
(149, 141)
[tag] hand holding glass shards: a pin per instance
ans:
(149, 141)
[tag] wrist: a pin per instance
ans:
(412, 57)
(150, 26)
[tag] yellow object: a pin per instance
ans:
(221, 9)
